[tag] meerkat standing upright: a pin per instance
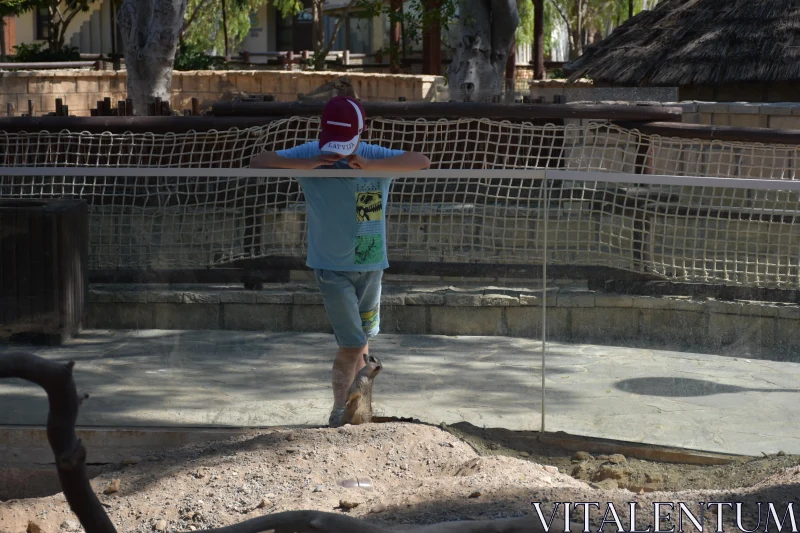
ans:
(358, 409)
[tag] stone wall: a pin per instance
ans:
(761, 329)
(81, 89)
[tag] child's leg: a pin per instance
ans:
(341, 305)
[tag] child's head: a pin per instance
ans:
(343, 121)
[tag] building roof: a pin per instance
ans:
(704, 42)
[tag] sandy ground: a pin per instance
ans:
(397, 474)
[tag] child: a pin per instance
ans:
(346, 230)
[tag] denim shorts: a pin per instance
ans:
(352, 302)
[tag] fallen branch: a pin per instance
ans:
(70, 457)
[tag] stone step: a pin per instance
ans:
(574, 314)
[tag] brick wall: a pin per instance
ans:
(80, 90)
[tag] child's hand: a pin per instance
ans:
(322, 160)
(357, 162)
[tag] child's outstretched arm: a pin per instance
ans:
(273, 160)
(405, 162)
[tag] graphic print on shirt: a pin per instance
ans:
(369, 218)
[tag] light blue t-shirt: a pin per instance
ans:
(346, 224)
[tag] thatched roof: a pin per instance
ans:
(705, 42)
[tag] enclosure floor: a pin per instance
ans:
(224, 378)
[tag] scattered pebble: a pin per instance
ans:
(582, 456)
(161, 525)
(263, 504)
(113, 487)
(551, 469)
(346, 504)
(318, 488)
(617, 459)
(524, 454)
(378, 508)
(476, 494)
(132, 460)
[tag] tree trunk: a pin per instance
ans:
(396, 7)
(511, 73)
(486, 34)
(2, 39)
(225, 31)
(538, 39)
(432, 42)
(150, 30)
(630, 9)
(318, 34)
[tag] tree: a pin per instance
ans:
(60, 15)
(150, 30)
(486, 34)
(11, 8)
(202, 29)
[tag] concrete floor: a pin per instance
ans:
(225, 378)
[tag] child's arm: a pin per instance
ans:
(273, 160)
(408, 161)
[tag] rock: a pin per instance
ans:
(161, 525)
(33, 527)
(70, 525)
(290, 437)
(609, 472)
(292, 450)
(781, 453)
(132, 460)
(606, 484)
(476, 494)
(602, 457)
(112, 487)
(494, 446)
(346, 504)
(403, 467)
(378, 508)
(524, 454)
(617, 459)
(653, 477)
(551, 469)
(318, 488)
(582, 456)
(581, 471)
(263, 504)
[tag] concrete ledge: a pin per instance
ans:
(746, 328)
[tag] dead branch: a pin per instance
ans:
(70, 457)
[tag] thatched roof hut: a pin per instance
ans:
(724, 50)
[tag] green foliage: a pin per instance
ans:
(190, 58)
(203, 31)
(288, 8)
(10, 8)
(29, 53)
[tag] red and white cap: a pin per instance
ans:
(342, 125)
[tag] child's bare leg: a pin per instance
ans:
(345, 367)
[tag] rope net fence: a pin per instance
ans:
(681, 232)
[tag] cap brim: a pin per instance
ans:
(338, 146)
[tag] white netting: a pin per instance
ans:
(717, 235)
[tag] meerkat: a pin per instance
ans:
(358, 409)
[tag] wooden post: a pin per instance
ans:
(30, 108)
(107, 105)
(59, 107)
(195, 106)
(10, 110)
(129, 107)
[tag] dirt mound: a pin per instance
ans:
(395, 474)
